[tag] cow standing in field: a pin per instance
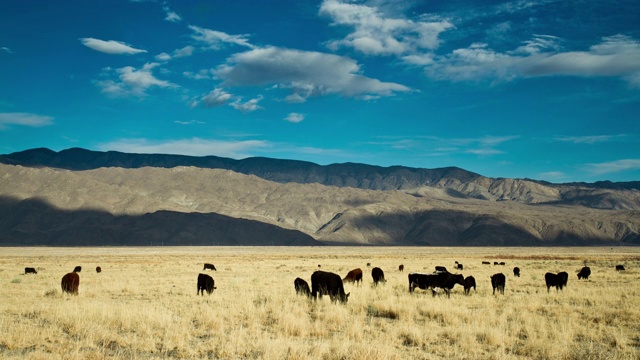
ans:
(469, 282)
(401, 268)
(302, 287)
(326, 283)
(441, 269)
(558, 280)
(205, 283)
(354, 276)
(98, 269)
(443, 280)
(486, 263)
(619, 267)
(209, 266)
(30, 270)
(378, 275)
(584, 273)
(498, 281)
(77, 269)
(70, 283)
(516, 271)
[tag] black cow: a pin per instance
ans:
(619, 267)
(30, 270)
(401, 268)
(302, 287)
(441, 269)
(77, 269)
(460, 267)
(486, 263)
(502, 263)
(516, 271)
(498, 281)
(326, 283)
(469, 282)
(558, 280)
(98, 269)
(205, 282)
(584, 273)
(209, 266)
(443, 280)
(495, 263)
(378, 275)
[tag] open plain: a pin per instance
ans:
(144, 304)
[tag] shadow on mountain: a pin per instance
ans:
(33, 222)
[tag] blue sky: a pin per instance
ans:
(548, 90)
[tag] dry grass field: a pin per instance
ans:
(144, 305)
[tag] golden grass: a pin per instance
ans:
(144, 305)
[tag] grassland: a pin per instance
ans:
(144, 305)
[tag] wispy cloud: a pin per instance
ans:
(217, 97)
(294, 117)
(613, 166)
(552, 175)
(6, 49)
(248, 106)
(594, 139)
(374, 33)
(189, 122)
(306, 73)
(216, 39)
(24, 119)
(172, 16)
(437, 146)
(110, 46)
(132, 82)
(615, 56)
(178, 53)
(192, 146)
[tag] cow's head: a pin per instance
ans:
(345, 298)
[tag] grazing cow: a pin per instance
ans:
(98, 269)
(205, 282)
(77, 269)
(469, 282)
(302, 287)
(584, 273)
(70, 283)
(496, 263)
(209, 266)
(441, 269)
(516, 271)
(486, 263)
(354, 276)
(378, 275)
(401, 268)
(326, 283)
(497, 282)
(368, 264)
(558, 280)
(459, 267)
(443, 280)
(30, 270)
(619, 267)
(502, 263)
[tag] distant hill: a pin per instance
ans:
(201, 206)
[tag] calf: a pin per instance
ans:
(378, 275)
(498, 282)
(469, 282)
(205, 283)
(354, 276)
(302, 287)
(70, 283)
(558, 280)
(516, 271)
(584, 273)
(209, 266)
(326, 283)
(30, 270)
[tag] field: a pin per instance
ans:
(144, 305)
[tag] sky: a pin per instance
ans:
(540, 89)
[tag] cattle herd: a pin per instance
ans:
(331, 284)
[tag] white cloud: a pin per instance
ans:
(613, 166)
(132, 81)
(593, 139)
(193, 146)
(178, 53)
(216, 97)
(249, 106)
(215, 39)
(6, 49)
(552, 175)
(376, 34)
(306, 73)
(188, 122)
(172, 16)
(24, 119)
(294, 117)
(110, 46)
(616, 56)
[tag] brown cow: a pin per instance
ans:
(70, 283)
(354, 276)
(401, 268)
(98, 269)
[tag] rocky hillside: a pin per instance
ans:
(203, 206)
(416, 181)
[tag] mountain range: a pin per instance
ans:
(83, 197)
